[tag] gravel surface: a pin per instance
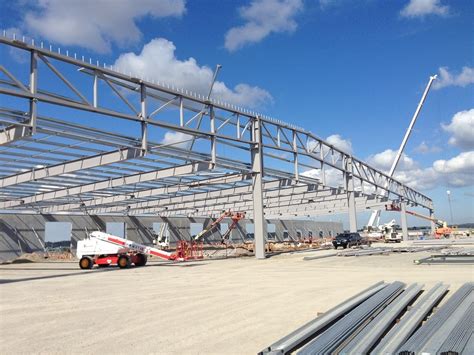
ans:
(233, 306)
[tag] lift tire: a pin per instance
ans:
(123, 261)
(86, 262)
(141, 260)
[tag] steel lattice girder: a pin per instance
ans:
(149, 176)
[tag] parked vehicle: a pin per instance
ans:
(347, 240)
(104, 249)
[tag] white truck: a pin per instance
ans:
(390, 233)
(104, 249)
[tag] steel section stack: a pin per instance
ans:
(338, 334)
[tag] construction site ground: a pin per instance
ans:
(232, 306)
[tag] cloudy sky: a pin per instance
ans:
(349, 71)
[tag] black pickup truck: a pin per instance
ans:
(347, 240)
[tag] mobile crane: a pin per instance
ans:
(443, 229)
(375, 216)
(235, 216)
(104, 249)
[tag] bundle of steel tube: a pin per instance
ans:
(380, 320)
(338, 334)
(370, 334)
(446, 259)
(429, 338)
(460, 336)
(401, 331)
(310, 329)
(362, 252)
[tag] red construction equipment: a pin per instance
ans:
(442, 231)
(235, 216)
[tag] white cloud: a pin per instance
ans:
(454, 172)
(263, 17)
(384, 160)
(462, 129)
(343, 144)
(424, 148)
(445, 78)
(177, 140)
(333, 177)
(158, 61)
(336, 140)
(96, 24)
(418, 178)
(421, 8)
(462, 163)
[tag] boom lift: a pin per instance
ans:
(236, 217)
(105, 249)
(442, 231)
(162, 239)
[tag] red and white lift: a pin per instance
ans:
(234, 216)
(104, 249)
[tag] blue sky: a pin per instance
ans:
(349, 71)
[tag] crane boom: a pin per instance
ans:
(234, 216)
(375, 217)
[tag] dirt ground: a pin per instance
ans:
(233, 306)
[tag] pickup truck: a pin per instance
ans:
(347, 240)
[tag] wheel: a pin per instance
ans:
(86, 262)
(140, 260)
(344, 246)
(123, 261)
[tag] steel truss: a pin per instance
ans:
(61, 152)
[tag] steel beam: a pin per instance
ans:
(253, 132)
(271, 189)
(200, 200)
(110, 183)
(72, 166)
(213, 200)
(13, 133)
(188, 169)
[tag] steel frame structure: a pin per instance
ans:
(63, 150)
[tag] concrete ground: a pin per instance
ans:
(233, 306)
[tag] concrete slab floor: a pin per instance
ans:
(233, 306)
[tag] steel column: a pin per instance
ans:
(144, 118)
(403, 217)
(213, 138)
(432, 223)
(33, 88)
(95, 90)
(351, 203)
(257, 170)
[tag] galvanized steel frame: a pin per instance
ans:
(94, 170)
